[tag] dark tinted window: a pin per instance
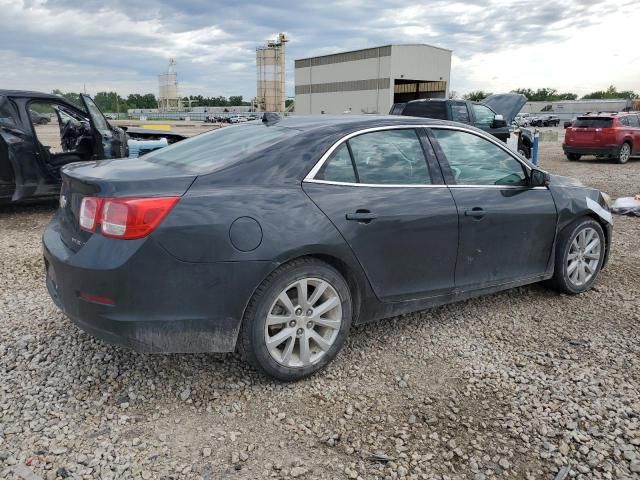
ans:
(634, 121)
(397, 108)
(339, 167)
(477, 161)
(459, 112)
(219, 148)
(427, 109)
(592, 122)
(390, 157)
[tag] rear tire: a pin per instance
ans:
(580, 251)
(283, 333)
(573, 157)
(625, 153)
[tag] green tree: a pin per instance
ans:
(611, 92)
(476, 95)
(71, 97)
(235, 100)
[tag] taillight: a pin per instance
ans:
(129, 218)
(89, 210)
(609, 131)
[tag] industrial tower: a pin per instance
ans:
(168, 98)
(270, 62)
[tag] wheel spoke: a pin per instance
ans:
(572, 267)
(288, 349)
(572, 256)
(588, 269)
(280, 337)
(321, 342)
(592, 256)
(317, 293)
(305, 354)
(286, 302)
(301, 287)
(278, 319)
(325, 322)
(592, 245)
(333, 302)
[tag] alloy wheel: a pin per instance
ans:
(625, 152)
(583, 257)
(303, 322)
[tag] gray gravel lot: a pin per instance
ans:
(513, 385)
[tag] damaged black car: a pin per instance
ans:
(32, 153)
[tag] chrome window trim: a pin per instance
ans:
(401, 185)
(316, 168)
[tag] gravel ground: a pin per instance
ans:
(513, 385)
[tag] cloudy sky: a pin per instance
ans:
(573, 45)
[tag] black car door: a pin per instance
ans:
(20, 173)
(391, 206)
(507, 227)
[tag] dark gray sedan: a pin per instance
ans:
(274, 238)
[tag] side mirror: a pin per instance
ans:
(498, 122)
(539, 178)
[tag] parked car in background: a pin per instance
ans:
(606, 135)
(29, 169)
(523, 119)
(494, 115)
(545, 121)
(568, 123)
(39, 118)
(275, 237)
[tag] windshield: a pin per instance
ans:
(591, 122)
(219, 148)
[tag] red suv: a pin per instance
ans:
(610, 135)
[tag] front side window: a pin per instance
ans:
(390, 157)
(484, 115)
(476, 161)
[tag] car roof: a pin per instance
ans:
(348, 121)
(29, 94)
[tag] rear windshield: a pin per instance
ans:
(428, 109)
(590, 122)
(218, 148)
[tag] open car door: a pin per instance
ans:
(109, 142)
(20, 173)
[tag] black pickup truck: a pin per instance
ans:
(494, 115)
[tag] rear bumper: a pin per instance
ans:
(160, 304)
(607, 150)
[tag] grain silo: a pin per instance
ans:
(168, 98)
(270, 62)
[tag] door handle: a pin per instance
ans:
(475, 212)
(361, 216)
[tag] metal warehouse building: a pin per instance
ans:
(371, 80)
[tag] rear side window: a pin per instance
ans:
(219, 148)
(387, 157)
(390, 157)
(7, 113)
(634, 121)
(427, 109)
(592, 122)
(339, 167)
(624, 121)
(459, 112)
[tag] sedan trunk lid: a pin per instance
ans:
(113, 178)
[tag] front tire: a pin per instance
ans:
(580, 251)
(297, 320)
